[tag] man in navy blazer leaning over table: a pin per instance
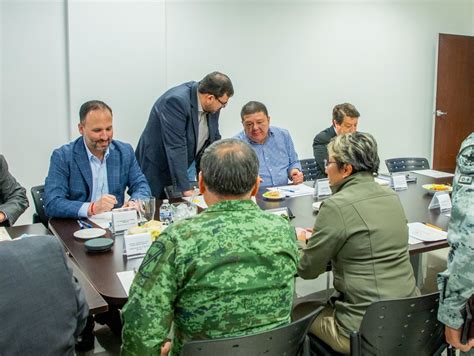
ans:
(182, 123)
(89, 175)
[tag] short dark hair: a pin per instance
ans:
(253, 107)
(217, 84)
(229, 167)
(358, 149)
(92, 105)
(342, 110)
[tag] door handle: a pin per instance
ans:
(440, 113)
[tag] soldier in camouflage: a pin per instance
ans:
(228, 271)
(456, 284)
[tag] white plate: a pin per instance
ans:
(89, 233)
(267, 195)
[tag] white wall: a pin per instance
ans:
(300, 58)
(34, 101)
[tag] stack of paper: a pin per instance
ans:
(419, 232)
(434, 174)
(294, 190)
(104, 220)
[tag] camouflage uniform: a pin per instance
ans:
(456, 284)
(228, 271)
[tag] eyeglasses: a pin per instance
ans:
(223, 104)
(327, 163)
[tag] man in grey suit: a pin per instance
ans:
(13, 200)
(42, 306)
(182, 123)
(345, 118)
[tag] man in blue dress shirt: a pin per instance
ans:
(273, 145)
(90, 175)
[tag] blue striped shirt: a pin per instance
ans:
(277, 156)
(100, 185)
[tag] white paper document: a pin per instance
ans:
(4, 235)
(294, 190)
(104, 220)
(198, 200)
(399, 182)
(434, 174)
(126, 279)
(322, 188)
(422, 232)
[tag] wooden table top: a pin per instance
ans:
(415, 201)
(96, 303)
(102, 268)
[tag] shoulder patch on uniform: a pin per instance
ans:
(463, 179)
(152, 256)
(466, 160)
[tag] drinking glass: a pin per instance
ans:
(183, 210)
(148, 208)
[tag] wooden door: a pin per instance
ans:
(454, 112)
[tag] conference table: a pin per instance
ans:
(96, 303)
(101, 268)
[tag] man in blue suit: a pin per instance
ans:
(89, 175)
(182, 123)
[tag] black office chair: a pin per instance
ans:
(406, 164)
(290, 339)
(308, 167)
(39, 216)
(407, 326)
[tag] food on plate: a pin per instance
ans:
(154, 227)
(273, 194)
(437, 187)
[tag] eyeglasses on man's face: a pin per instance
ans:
(327, 163)
(223, 104)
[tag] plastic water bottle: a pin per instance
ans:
(166, 214)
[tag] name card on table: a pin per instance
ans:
(136, 245)
(399, 182)
(442, 201)
(322, 188)
(123, 219)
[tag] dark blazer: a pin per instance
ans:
(320, 150)
(42, 306)
(69, 181)
(13, 200)
(168, 143)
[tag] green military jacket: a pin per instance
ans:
(362, 230)
(228, 271)
(456, 284)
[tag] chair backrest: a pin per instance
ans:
(37, 194)
(284, 340)
(406, 164)
(407, 326)
(308, 167)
